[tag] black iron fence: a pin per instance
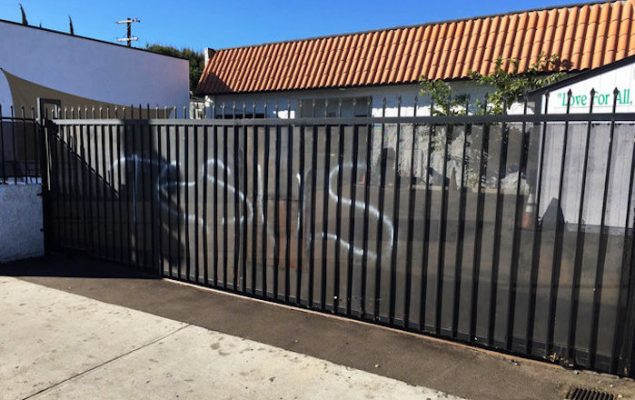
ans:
(513, 232)
(19, 147)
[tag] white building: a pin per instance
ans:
(38, 62)
(371, 66)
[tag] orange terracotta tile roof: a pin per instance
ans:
(586, 36)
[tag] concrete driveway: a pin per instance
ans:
(57, 345)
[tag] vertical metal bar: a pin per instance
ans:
(599, 276)
(126, 159)
(216, 186)
(92, 179)
(366, 222)
(112, 189)
(244, 205)
(225, 200)
(265, 209)
(426, 230)
(579, 243)
(535, 258)
(395, 217)
(79, 195)
(79, 204)
(37, 146)
(55, 180)
(238, 241)
(442, 229)
(518, 211)
(84, 173)
(70, 171)
(458, 259)
(204, 226)
(254, 228)
(351, 219)
(133, 200)
(104, 188)
(325, 209)
(26, 155)
(289, 195)
(157, 195)
(168, 184)
(301, 207)
(40, 126)
(498, 224)
(74, 161)
(63, 207)
(179, 218)
(338, 213)
(186, 190)
(121, 161)
(68, 223)
(312, 211)
(480, 202)
(380, 220)
(149, 189)
(72, 184)
(15, 151)
(411, 225)
(557, 253)
(276, 213)
(196, 206)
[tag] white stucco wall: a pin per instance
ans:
(377, 94)
(622, 78)
(97, 70)
(20, 222)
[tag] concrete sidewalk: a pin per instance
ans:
(417, 360)
(56, 345)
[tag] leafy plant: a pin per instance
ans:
(443, 102)
(510, 86)
(507, 85)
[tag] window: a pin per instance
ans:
(351, 107)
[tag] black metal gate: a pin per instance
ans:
(510, 232)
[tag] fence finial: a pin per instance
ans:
(415, 106)
(485, 98)
(569, 97)
(616, 93)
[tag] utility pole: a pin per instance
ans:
(129, 38)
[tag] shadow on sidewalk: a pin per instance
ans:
(67, 266)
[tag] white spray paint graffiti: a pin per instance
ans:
(167, 179)
(373, 212)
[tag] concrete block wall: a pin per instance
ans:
(21, 233)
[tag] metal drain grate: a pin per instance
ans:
(588, 394)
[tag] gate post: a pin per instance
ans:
(44, 124)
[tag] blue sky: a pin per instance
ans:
(216, 24)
